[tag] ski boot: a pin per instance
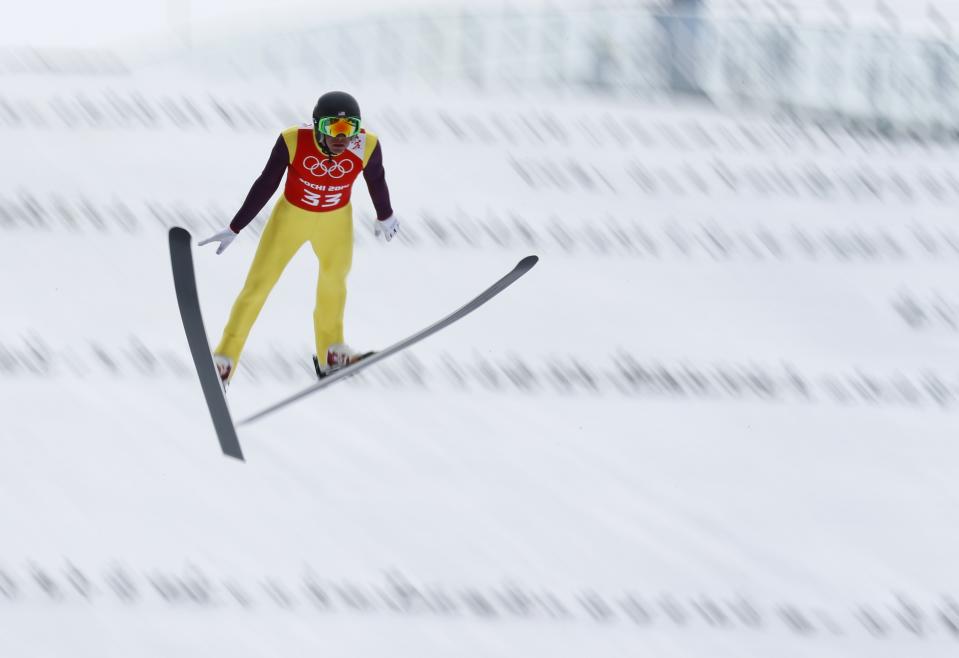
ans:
(338, 356)
(224, 368)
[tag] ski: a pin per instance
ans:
(521, 268)
(184, 281)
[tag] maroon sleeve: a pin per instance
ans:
(375, 177)
(264, 186)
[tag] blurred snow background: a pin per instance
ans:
(717, 419)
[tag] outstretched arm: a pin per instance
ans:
(375, 177)
(264, 186)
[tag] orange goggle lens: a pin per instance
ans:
(334, 126)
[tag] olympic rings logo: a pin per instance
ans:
(333, 169)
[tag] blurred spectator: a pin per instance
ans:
(681, 33)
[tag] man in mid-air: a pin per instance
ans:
(321, 162)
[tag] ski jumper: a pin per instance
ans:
(314, 207)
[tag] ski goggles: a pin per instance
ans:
(334, 126)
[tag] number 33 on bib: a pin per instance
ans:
(316, 181)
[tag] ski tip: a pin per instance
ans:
(527, 263)
(179, 233)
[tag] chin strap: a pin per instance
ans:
(322, 143)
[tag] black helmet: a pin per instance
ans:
(336, 104)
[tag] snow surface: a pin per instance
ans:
(843, 513)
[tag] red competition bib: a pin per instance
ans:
(317, 183)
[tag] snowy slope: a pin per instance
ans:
(774, 472)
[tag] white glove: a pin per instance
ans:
(224, 237)
(387, 227)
